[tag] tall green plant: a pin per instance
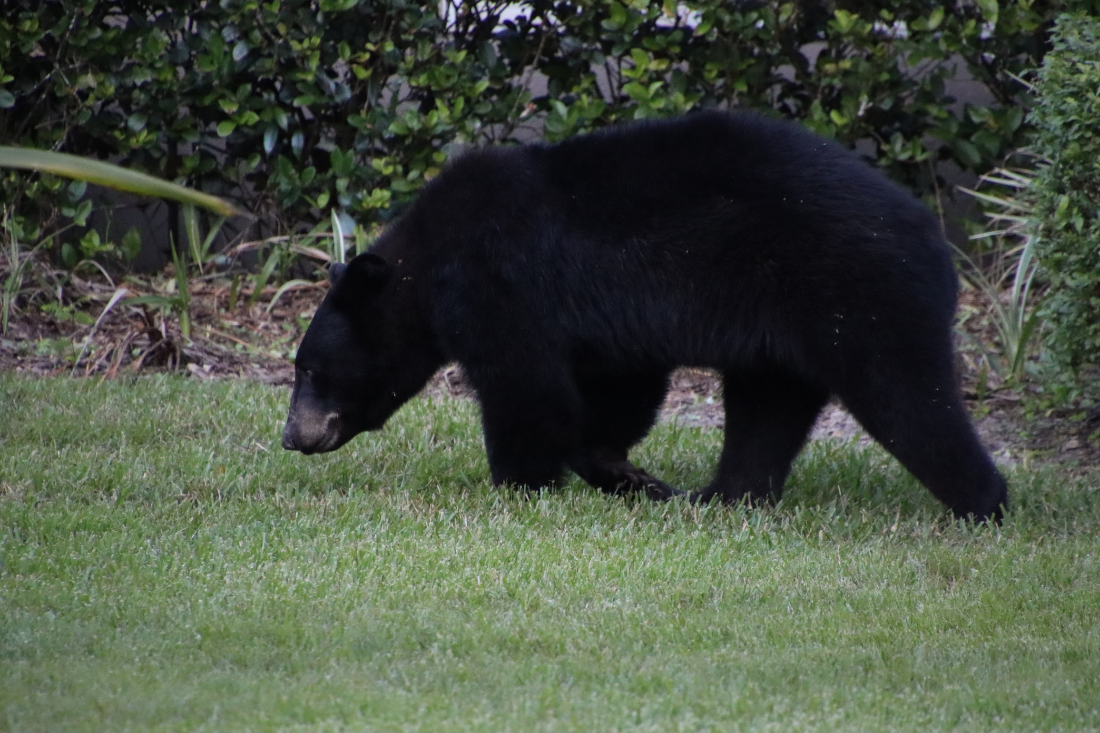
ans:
(1006, 271)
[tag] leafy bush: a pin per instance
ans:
(1067, 118)
(289, 107)
(292, 107)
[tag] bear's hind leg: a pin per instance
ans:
(769, 413)
(619, 411)
(918, 415)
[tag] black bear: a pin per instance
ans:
(568, 280)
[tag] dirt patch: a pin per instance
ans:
(258, 342)
(244, 341)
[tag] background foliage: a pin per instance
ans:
(295, 106)
(1067, 191)
(300, 110)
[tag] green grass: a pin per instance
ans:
(166, 566)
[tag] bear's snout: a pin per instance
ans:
(312, 432)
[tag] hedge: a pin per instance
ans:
(293, 107)
(1067, 191)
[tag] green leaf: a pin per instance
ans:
(136, 122)
(7, 99)
(967, 153)
(636, 91)
(83, 209)
(106, 174)
(90, 244)
(161, 301)
(990, 10)
(131, 244)
(487, 54)
(936, 18)
(342, 163)
(69, 257)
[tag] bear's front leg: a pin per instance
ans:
(620, 408)
(531, 430)
(610, 471)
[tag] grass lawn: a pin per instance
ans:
(166, 566)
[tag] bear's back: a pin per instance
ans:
(690, 162)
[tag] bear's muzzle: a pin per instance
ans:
(309, 431)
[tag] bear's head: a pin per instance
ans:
(366, 352)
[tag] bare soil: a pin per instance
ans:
(255, 342)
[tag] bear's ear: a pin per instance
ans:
(365, 272)
(336, 271)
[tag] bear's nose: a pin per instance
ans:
(311, 432)
(288, 437)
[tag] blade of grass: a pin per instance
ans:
(262, 277)
(301, 249)
(107, 174)
(18, 263)
(183, 293)
(118, 295)
(337, 238)
(288, 286)
(191, 229)
(200, 247)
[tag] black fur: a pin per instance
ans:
(568, 280)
